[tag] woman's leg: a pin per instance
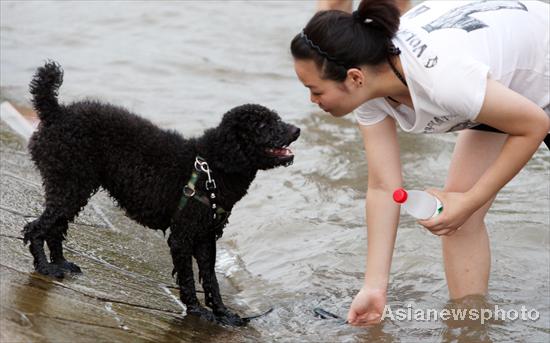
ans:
(466, 253)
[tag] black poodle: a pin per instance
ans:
(159, 178)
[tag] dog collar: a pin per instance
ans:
(189, 190)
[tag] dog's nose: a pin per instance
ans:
(294, 131)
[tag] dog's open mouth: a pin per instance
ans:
(279, 152)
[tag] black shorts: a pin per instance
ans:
(483, 127)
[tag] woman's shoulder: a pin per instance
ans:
(372, 111)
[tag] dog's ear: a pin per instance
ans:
(235, 141)
(225, 151)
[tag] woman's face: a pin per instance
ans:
(337, 98)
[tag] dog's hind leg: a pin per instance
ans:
(72, 202)
(64, 200)
(35, 233)
(205, 254)
(54, 239)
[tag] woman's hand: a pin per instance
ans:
(457, 208)
(368, 307)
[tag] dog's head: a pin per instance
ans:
(252, 137)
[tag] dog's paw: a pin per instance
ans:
(69, 267)
(229, 318)
(224, 317)
(202, 313)
(50, 269)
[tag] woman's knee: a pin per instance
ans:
(473, 227)
(476, 222)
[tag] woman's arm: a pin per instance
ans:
(525, 122)
(384, 176)
(527, 125)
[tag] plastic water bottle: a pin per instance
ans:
(419, 204)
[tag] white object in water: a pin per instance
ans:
(15, 120)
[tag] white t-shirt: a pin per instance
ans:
(450, 48)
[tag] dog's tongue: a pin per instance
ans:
(280, 151)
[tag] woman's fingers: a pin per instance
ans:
(352, 317)
(447, 232)
(438, 226)
(366, 319)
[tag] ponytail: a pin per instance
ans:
(337, 41)
(382, 15)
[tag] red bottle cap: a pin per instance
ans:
(400, 195)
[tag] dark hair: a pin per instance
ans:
(337, 41)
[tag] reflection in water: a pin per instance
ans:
(378, 333)
(469, 327)
(29, 300)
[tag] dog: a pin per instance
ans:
(161, 179)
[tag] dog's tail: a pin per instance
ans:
(44, 87)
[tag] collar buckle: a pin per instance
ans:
(188, 191)
(210, 184)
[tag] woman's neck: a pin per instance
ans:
(388, 85)
(396, 88)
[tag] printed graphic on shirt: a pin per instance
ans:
(462, 126)
(418, 47)
(437, 124)
(459, 18)
(431, 62)
(417, 11)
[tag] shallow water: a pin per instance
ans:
(297, 241)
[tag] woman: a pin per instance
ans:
(479, 67)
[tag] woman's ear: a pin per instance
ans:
(355, 77)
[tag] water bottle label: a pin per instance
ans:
(438, 207)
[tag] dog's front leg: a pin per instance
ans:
(183, 267)
(205, 254)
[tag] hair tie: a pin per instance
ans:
(393, 50)
(357, 16)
